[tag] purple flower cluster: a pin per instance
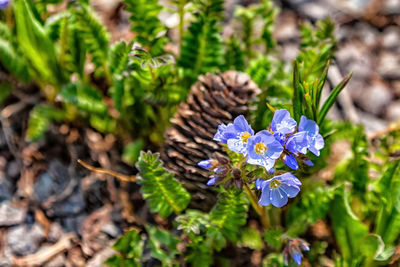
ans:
(283, 140)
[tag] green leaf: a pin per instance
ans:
(14, 61)
(386, 254)
(132, 151)
(250, 238)
(36, 45)
(385, 182)
(40, 119)
(273, 237)
(129, 248)
(103, 123)
(193, 221)
(162, 245)
(297, 96)
(348, 229)
(202, 47)
(164, 193)
(144, 17)
(371, 246)
(93, 34)
(332, 98)
(230, 212)
(5, 90)
(84, 97)
(119, 57)
(118, 91)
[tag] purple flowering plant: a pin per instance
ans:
(265, 164)
(283, 141)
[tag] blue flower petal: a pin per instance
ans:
(282, 122)
(307, 125)
(290, 190)
(265, 195)
(237, 145)
(274, 150)
(267, 163)
(289, 178)
(298, 143)
(277, 198)
(241, 125)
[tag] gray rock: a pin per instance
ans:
(393, 111)
(24, 240)
(391, 38)
(375, 98)
(10, 214)
(372, 123)
(111, 230)
(55, 232)
(5, 189)
(51, 183)
(389, 65)
(57, 261)
(13, 169)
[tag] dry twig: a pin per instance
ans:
(121, 177)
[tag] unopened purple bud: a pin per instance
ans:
(308, 162)
(205, 164)
(271, 171)
(294, 248)
(221, 170)
(212, 180)
(290, 161)
(297, 258)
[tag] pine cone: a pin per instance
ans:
(213, 100)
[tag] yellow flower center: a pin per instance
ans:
(275, 184)
(245, 136)
(260, 148)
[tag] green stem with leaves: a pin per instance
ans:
(259, 209)
(181, 11)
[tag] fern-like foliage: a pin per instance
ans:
(14, 61)
(164, 193)
(36, 44)
(317, 47)
(93, 34)
(202, 47)
(84, 97)
(147, 25)
(129, 248)
(40, 118)
(230, 212)
(193, 221)
(234, 55)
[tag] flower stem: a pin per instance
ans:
(259, 209)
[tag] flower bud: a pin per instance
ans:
(293, 249)
(236, 173)
(238, 183)
(222, 160)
